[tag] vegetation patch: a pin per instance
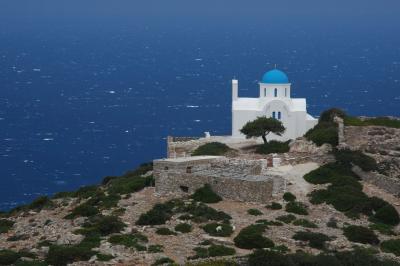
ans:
(289, 197)
(273, 146)
(159, 214)
(5, 225)
(296, 207)
(218, 229)
(40, 203)
(383, 229)
(163, 261)
(183, 228)
(391, 246)
(357, 257)
(252, 237)
(315, 240)
(305, 223)
(324, 133)
(127, 185)
(102, 225)
(85, 210)
(213, 251)
(379, 121)
(213, 148)
(348, 157)
(287, 219)
(254, 212)
(135, 240)
(266, 222)
(206, 195)
(165, 231)
(274, 206)
(360, 234)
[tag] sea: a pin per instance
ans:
(81, 103)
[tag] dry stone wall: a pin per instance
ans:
(236, 179)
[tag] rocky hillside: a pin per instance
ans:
(327, 216)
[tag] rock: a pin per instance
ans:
(302, 145)
(69, 239)
(79, 221)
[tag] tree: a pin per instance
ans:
(261, 127)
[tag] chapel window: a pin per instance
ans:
(276, 92)
(279, 115)
(274, 115)
(265, 92)
(285, 92)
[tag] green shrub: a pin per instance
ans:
(365, 162)
(5, 225)
(213, 251)
(289, 197)
(332, 223)
(183, 228)
(273, 146)
(252, 237)
(104, 257)
(63, 255)
(220, 250)
(296, 207)
(155, 249)
(360, 234)
(324, 132)
(127, 185)
(266, 222)
(8, 257)
(141, 170)
(21, 262)
(202, 213)
(329, 115)
(383, 229)
(391, 246)
(213, 148)
(387, 215)
(315, 240)
(86, 192)
(164, 231)
(206, 194)
(287, 219)
(379, 121)
(274, 206)
(163, 261)
(159, 214)
(84, 210)
(217, 229)
(254, 212)
(101, 225)
(305, 223)
(135, 240)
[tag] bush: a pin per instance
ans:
(136, 241)
(252, 237)
(287, 219)
(84, 209)
(391, 246)
(273, 146)
(383, 229)
(289, 196)
(365, 162)
(63, 255)
(5, 225)
(266, 222)
(213, 251)
(387, 215)
(329, 115)
(305, 223)
(202, 213)
(213, 148)
(379, 121)
(206, 195)
(183, 228)
(315, 240)
(8, 257)
(360, 234)
(159, 214)
(216, 229)
(324, 132)
(254, 212)
(296, 207)
(155, 249)
(102, 225)
(164, 231)
(274, 206)
(104, 257)
(163, 261)
(127, 185)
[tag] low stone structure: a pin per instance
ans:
(236, 179)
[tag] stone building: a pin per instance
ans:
(236, 179)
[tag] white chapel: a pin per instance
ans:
(274, 101)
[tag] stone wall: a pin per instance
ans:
(391, 185)
(236, 179)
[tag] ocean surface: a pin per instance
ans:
(80, 104)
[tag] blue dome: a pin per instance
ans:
(275, 76)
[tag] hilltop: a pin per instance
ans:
(340, 207)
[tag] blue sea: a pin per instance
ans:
(81, 103)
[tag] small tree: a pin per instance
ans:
(261, 127)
